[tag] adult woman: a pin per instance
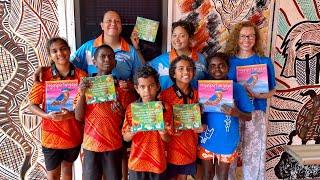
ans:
(245, 48)
(182, 33)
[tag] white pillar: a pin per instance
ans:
(65, 11)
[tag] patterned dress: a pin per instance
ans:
(254, 133)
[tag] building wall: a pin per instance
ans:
(294, 111)
(24, 28)
(292, 40)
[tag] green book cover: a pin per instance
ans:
(147, 116)
(147, 29)
(102, 89)
(186, 116)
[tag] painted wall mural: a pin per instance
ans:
(296, 56)
(214, 19)
(25, 25)
(294, 110)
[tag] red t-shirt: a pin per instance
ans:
(57, 134)
(102, 130)
(182, 149)
(147, 149)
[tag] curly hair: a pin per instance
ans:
(173, 65)
(104, 46)
(189, 27)
(219, 55)
(232, 46)
(145, 72)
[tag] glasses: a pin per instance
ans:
(250, 37)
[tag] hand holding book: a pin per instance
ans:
(84, 84)
(135, 38)
(147, 29)
(200, 129)
(235, 112)
(230, 111)
(259, 95)
(126, 85)
(64, 114)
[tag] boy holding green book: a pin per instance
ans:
(102, 141)
(147, 158)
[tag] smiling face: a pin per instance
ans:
(217, 68)
(180, 39)
(147, 88)
(105, 61)
(247, 39)
(111, 25)
(184, 72)
(59, 52)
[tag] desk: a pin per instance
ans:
(305, 154)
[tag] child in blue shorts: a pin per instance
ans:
(218, 143)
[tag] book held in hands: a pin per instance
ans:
(147, 29)
(214, 93)
(60, 95)
(102, 89)
(147, 116)
(254, 77)
(186, 116)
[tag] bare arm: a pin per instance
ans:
(261, 95)
(37, 76)
(235, 112)
(36, 110)
(81, 103)
(55, 116)
(80, 108)
(135, 42)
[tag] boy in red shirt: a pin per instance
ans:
(61, 134)
(102, 139)
(147, 158)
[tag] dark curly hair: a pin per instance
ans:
(145, 72)
(189, 27)
(173, 65)
(220, 55)
(232, 46)
(104, 46)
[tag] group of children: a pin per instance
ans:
(101, 128)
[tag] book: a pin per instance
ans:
(147, 29)
(147, 116)
(254, 76)
(186, 116)
(214, 93)
(60, 94)
(102, 89)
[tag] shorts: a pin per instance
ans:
(96, 164)
(188, 169)
(135, 175)
(54, 157)
(207, 155)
